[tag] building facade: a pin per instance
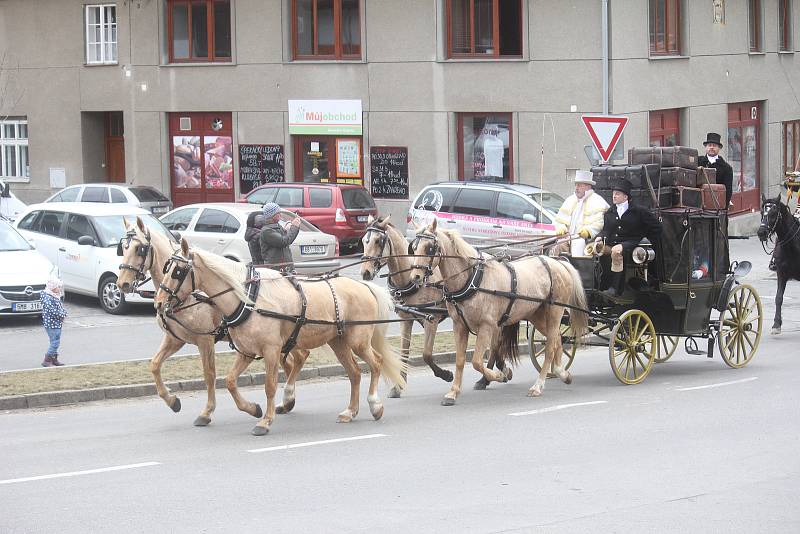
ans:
(204, 99)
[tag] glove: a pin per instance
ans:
(561, 231)
(584, 233)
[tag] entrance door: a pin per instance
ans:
(115, 147)
(743, 155)
(201, 151)
(328, 159)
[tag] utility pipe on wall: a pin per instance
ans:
(605, 56)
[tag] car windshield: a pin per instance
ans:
(356, 198)
(112, 227)
(10, 240)
(549, 201)
(148, 194)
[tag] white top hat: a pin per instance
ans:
(584, 177)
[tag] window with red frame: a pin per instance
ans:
(754, 24)
(199, 30)
(326, 29)
(665, 23)
(791, 146)
(785, 25)
(481, 28)
(665, 127)
(485, 151)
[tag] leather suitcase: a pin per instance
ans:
(600, 177)
(637, 175)
(643, 197)
(671, 176)
(686, 197)
(710, 173)
(667, 156)
(713, 196)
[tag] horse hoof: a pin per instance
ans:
(344, 417)
(377, 412)
(258, 413)
(534, 393)
(568, 380)
(447, 401)
(775, 331)
(480, 385)
(286, 407)
(176, 406)
(394, 393)
(509, 374)
(202, 420)
(259, 431)
(447, 376)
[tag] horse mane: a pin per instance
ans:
(160, 240)
(462, 248)
(233, 273)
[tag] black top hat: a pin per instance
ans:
(712, 137)
(621, 184)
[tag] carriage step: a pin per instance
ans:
(696, 352)
(690, 346)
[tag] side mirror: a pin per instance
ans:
(176, 234)
(86, 240)
(530, 218)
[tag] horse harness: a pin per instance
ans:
(143, 248)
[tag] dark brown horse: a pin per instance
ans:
(777, 220)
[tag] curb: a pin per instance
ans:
(76, 396)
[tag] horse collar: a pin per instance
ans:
(243, 311)
(470, 288)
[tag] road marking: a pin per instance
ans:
(311, 443)
(79, 473)
(556, 408)
(719, 384)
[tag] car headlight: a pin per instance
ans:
(642, 255)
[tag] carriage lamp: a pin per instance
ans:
(642, 255)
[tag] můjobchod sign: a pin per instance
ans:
(325, 117)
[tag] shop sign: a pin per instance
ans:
(325, 117)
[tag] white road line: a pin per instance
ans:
(556, 408)
(311, 443)
(79, 473)
(720, 384)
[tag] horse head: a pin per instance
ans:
(772, 210)
(425, 244)
(377, 247)
(172, 291)
(136, 251)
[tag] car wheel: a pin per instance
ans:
(111, 297)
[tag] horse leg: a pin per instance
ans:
(271, 359)
(345, 357)
(363, 348)
(776, 325)
(461, 337)
(494, 357)
(169, 346)
(483, 345)
(292, 365)
(231, 382)
(556, 313)
(206, 346)
(405, 346)
(552, 335)
(427, 352)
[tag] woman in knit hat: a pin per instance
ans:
(275, 239)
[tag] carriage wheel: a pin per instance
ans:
(632, 348)
(536, 345)
(740, 326)
(666, 347)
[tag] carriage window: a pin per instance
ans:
(474, 202)
(701, 250)
(179, 220)
(514, 207)
(211, 221)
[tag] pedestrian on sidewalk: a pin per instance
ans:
(275, 239)
(53, 314)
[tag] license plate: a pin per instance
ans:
(159, 209)
(362, 218)
(26, 306)
(312, 249)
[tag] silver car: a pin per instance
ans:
(142, 196)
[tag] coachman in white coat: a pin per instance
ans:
(581, 215)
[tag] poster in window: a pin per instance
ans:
(348, 158)
(186, 161)
(218, 161)
(389, 172)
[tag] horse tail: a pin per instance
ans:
(578, 314)
(508, 346)
(392, 367)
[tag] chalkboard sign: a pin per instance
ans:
(389, 171)
(260, 164)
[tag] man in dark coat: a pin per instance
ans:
(624, 226)
(252, 234)
(712, 160)
(275, 240)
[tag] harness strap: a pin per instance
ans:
(299, 320)
(242, 312)
(513, 272)
(470, 287)
(339, 324)
(550, 275)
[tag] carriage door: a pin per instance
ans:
(701, 274)
(742, 153)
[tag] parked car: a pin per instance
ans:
(81, 240)
(10, 206)
(220, 227)
(143, 196)
(483, 211)
(341, 210)
(23, 273)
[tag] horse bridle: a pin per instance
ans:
(181, 267)
(379, 261)
(432, 250)
(143, 249)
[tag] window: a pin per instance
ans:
(512, 206)
(319, 198)
(474, 202)
(665, 127)
(70, 194)
(14, 148)
(743, 154)
(481, 28)
(148, 194)
(665, 20)
(79, 226)
(95, 194)
(437, 199)
(101, 34)
(262, 196)
(199, 30)
(211, 221)
(485, 151)
(326, 29)
(785, 25)
(356, 198)
(117, 196)
(179, 220)
(289, 197)
(754, 24)
(30, 222)
(51, 223)
(791, 146)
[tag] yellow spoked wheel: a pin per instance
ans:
(740, 326)
(536, 344)
(632, 348)
(666, 347)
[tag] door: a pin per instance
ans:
(472, 214)
(314, 158)
(76, 262)
(48, 235)
(743, 155)
(214, 230)
(701, 276)
(115, 147)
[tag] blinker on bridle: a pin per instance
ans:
(181, 267)
(431, 250)
(379, 261)
(142, 250)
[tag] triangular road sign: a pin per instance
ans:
(605, 131)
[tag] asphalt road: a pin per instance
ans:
(697, 447)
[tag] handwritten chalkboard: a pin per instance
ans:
(260, 164)
(389, 171)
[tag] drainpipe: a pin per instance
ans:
(605, 56)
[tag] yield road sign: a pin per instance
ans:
(604, 131)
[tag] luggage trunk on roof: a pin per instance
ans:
(667, 156)
(671, 176)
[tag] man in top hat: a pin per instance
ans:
(624, 225)
(581, 215)
(712, 160)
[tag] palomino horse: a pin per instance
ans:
(490, 298)
(346, 315)
(776, 219)
(146, 251)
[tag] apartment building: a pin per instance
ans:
(205, 99)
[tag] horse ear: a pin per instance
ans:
(370, 220)
(185, 247)
(140, 223)
(434, 225)
(778, 198)
(385, 219)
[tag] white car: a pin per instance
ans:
(10, 206)
(220, 227)
(143, 196)
(81, 240)
(23, 274)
